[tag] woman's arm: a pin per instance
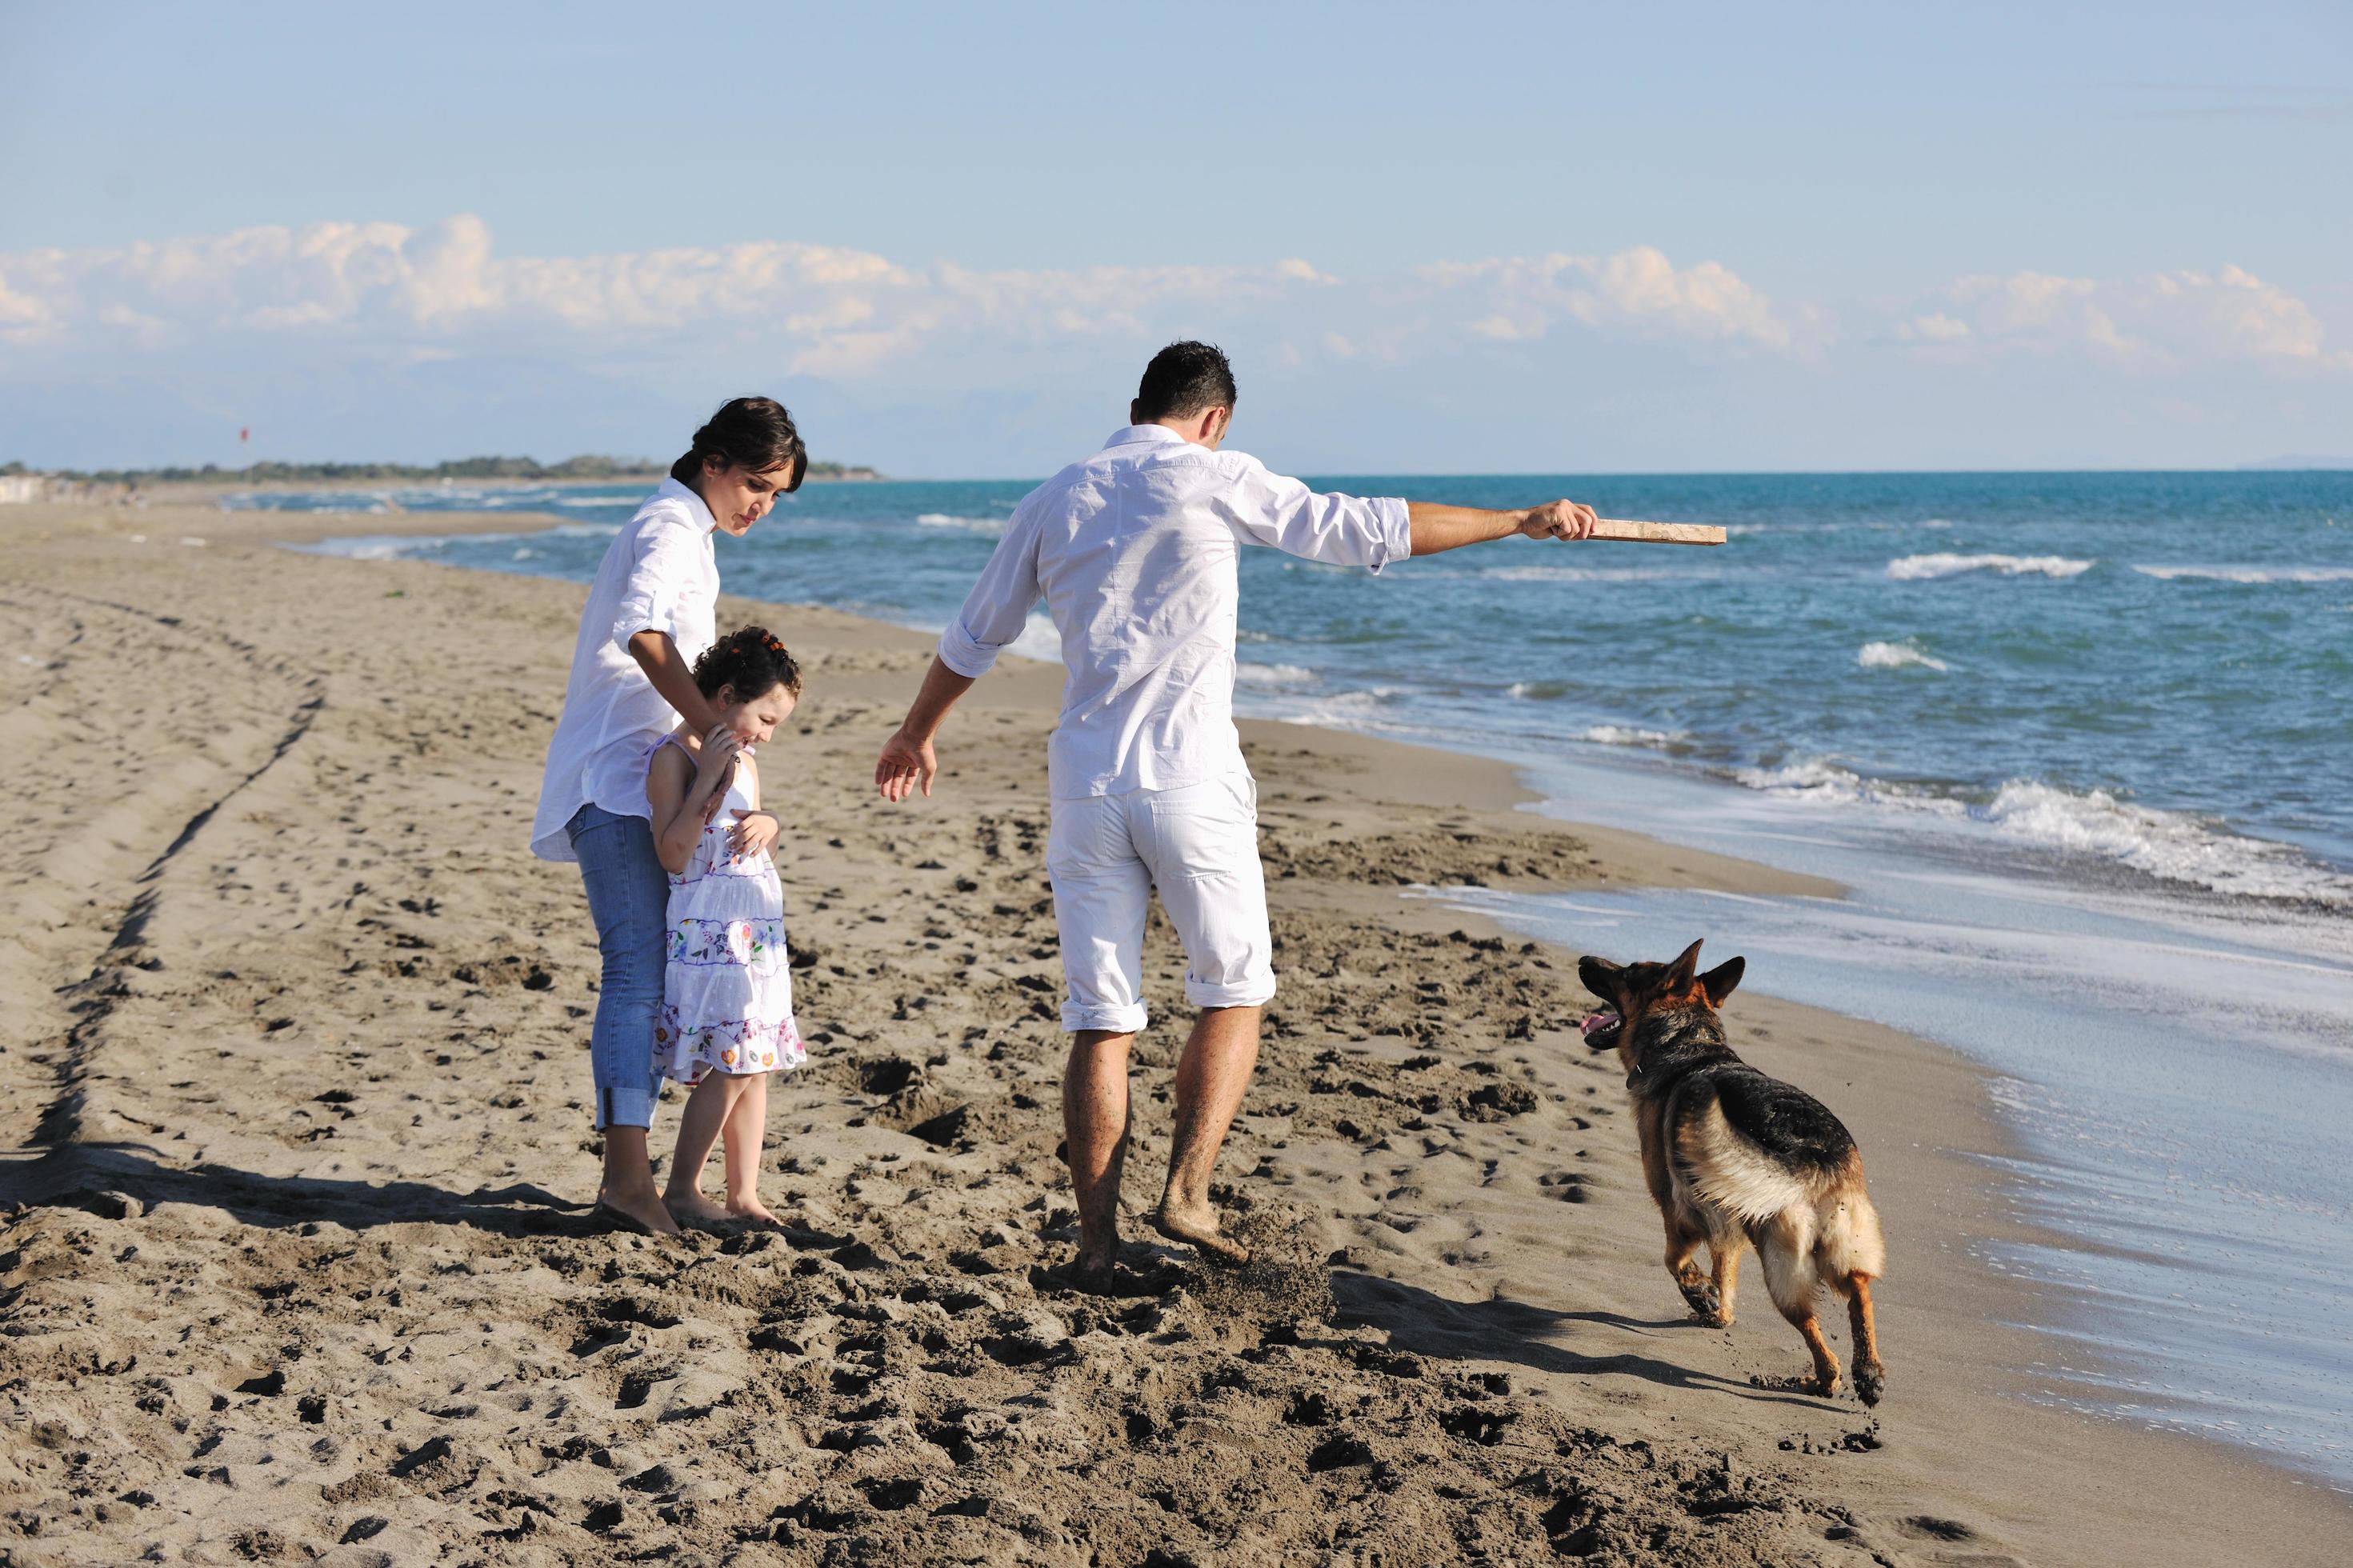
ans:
(671, 676)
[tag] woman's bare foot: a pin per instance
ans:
(641, 1207)
(694, 1205)
(751, 1208)
(1198, 1227)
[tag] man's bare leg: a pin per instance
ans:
(1211, 1076)
(629, 1186)
(1094, 1124)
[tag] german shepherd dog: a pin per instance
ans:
(1734, 1157)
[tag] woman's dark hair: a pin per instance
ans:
(751, 661)
(1182, 380)
(752, 433)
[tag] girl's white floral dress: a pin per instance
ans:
(727, 993)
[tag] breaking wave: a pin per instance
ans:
(2250, 574)
(1923, 568)
(1895, 656)
(2174, 846)
(1273, 674)
(1627, 735)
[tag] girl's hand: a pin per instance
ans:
(715, 768)
(714, 765)
(753, 833)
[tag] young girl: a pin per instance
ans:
(726, 1020)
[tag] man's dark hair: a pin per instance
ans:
(1184, 379)
(752, 433)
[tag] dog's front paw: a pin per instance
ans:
(1870, 1383)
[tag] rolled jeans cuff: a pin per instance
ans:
(622, 1107)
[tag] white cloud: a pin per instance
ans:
(2160, 319)
(397, 293)
(841, 311)
(1637, 289)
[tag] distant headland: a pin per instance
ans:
(472, 470)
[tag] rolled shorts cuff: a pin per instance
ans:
(618, 1107)
(1253, 992)
(1128, 1019)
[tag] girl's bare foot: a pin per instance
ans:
(751, 1208)
(694, 1205)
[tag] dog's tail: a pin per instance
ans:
(1847, 1242)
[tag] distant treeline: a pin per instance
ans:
(463, 469)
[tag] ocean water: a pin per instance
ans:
(2079, 744)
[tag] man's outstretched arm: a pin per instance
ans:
(1436, 526)
(907, 759)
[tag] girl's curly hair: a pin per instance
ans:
(750, 660)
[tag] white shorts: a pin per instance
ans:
(1198, 845)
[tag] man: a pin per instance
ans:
(1133, 551)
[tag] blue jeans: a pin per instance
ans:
(628, 897)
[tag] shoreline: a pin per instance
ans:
(1467, 1258)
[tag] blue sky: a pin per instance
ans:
(1503, 238)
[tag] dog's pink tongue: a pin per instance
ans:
(1595, 1023)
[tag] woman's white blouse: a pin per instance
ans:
(657, 575)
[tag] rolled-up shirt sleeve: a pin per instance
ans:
(1265, 508)
(669, 559)
(998, 605)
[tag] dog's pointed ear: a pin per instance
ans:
(1679, 972)
(1719, 981)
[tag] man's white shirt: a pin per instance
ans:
(1134, 551)
(657, 576)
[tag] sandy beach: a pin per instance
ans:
(297, 1263)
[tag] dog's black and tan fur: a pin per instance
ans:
(1736, 1158)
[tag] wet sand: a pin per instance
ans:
(297, 1265)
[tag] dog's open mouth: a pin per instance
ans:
(1601, 1028)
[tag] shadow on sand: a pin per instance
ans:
(96, 1176)
(1501, 1330)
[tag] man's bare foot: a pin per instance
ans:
(694, 1205)
(1097, 1274)
(751, 1208)
(1198, 1227)
(640, 1207)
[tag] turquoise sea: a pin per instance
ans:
(2079, 743)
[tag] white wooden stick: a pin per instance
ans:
(1657, 532)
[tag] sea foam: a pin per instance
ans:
(2174, 846)
(1895, 656)
(1628, 735)
(1921, 568)
(2250, 574)
(989, 525)
(2168, 844)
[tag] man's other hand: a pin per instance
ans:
(903, 764)
(1559, 520)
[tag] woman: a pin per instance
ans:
(649, 616)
